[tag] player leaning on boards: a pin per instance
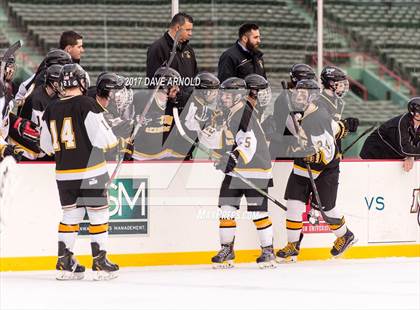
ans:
(202, 116)
(275, 126)
(24, 129)
(249, 157)
(318, 134)
(156, 138)
(398, 138)
(108, 86)
(73, 128)
(244, 57)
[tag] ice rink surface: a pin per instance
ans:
(392, 283)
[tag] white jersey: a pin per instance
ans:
(208, 133)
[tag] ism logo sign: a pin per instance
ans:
(128, 207)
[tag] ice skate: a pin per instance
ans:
(224, 259)
(289, 253)
(102, 268)
(67, 266)
(267, 258)
(342, 244)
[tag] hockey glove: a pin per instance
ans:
(228, 161)
(11, 150)
(202, 113)
(351, 124)
(315, 158)
(126, 148)
(27, 129)
(217, 119)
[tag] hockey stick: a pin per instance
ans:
(7, 54)
(141, 117)
(364, 133)
(214, 156)
(329, 220)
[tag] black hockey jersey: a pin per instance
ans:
(74, 129)
(40, 101)
(249, 140)
(318, 131)
(333, 105)
(156, 139)
(395, 139)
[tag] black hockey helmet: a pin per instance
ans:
(73, 75)
(331, 77)
(307, 84)
(414, 105)
(106, 82)
(206, 87)
(167, 77)
(52, 75)
(233, 83)
(301, 72)
(259, 88)
(236, 88)
(206, 80)
(10, 68)
(255, 81)
(305, 92)
(57, 57)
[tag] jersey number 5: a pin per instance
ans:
(66, 134)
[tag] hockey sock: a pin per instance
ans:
(340, 229)
(98, 226)
(69, 226)
(264, 227)
(227, 225)
(294, 224)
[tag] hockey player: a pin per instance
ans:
(152, 140)
(9, 72)
(73, 128)
(398, 138)
(203, 117)
(45, 94)
(317, 136)
(24, 132)
(249, 157)
(5, 148)
(259, 93)
(275, 126)
(108, 85)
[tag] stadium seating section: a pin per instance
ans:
(116, 35)
(118, 32)
(387, 28)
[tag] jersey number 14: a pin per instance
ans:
(66, 135)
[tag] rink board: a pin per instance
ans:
(176, 220)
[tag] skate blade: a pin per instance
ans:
(63, 275)
(268, 265)
(225, 265)
(104, 275)
(348, 247)
(287, 260)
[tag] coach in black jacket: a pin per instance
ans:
(398, 138)
(243, 57)
(184, 61)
